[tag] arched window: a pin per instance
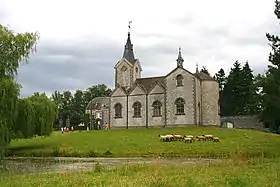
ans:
(156, 108)
(118, 110)
(179, 80)
(137, 109)
(180, 106)
(136, 69)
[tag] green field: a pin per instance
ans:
(232, 173)
(145, 142)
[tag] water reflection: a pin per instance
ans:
(46, 165)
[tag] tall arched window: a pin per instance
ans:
(179, 80)
(156, 108)
(180, 106)
(118, 110)
(137, 109)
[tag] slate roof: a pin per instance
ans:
(128, 53)
(98, 103)
(147, 83)
(204, 76)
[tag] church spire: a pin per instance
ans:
(128, 53)
(196, 70)
(180, 59)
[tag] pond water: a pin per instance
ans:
(68, 164)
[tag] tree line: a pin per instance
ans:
(72, 106)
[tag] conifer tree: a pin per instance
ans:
(232, 91)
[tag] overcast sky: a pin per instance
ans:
(81, 40)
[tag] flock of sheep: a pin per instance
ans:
(188, 138)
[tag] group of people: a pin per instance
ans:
(66, 129)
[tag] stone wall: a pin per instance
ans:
(244, 122)
(118, 122)
(156, 121)
(105, 116)
(124, 76)
(209, 103)
(197, 99)
(136, 121)
(173, 92)
(136, 73)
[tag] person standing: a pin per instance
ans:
(107, 126)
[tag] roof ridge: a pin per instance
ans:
(151, 77)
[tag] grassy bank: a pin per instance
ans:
(246, 173)
(144, 142)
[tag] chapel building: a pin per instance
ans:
(180, 98)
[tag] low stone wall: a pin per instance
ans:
(244, 122)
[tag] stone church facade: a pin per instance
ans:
(180, 98)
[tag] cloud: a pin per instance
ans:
(81, 43)
(70, 65)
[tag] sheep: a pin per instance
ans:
(208, 137)
(189, 140)
(216, 139)
(200, 138)
(177, 137)
(163, 138)
(170, 137)
(189, 136)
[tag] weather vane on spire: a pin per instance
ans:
(129, 26)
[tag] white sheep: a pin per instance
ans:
(163, 138)
(178, 137)
(200, 138)
(170, 137)
(216, 139)
(189, 136)
(208, 137)
(189, 140)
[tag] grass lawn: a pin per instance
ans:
(232, 173)
(145, 142)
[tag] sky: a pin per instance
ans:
(81, 40)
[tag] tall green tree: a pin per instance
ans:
(220, 76)
(239, 95)
(248, 91)
(99, 90)
(14, 48)
(232, 91)
(66, 104)
(45, 112)
(271, 81)
(78, 108)
(57, 97)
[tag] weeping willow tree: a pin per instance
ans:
(25, 126)
(45, 114)
(9, 91)
(14, 48)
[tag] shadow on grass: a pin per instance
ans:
(21, 151)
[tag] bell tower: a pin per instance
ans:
(128, 69)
